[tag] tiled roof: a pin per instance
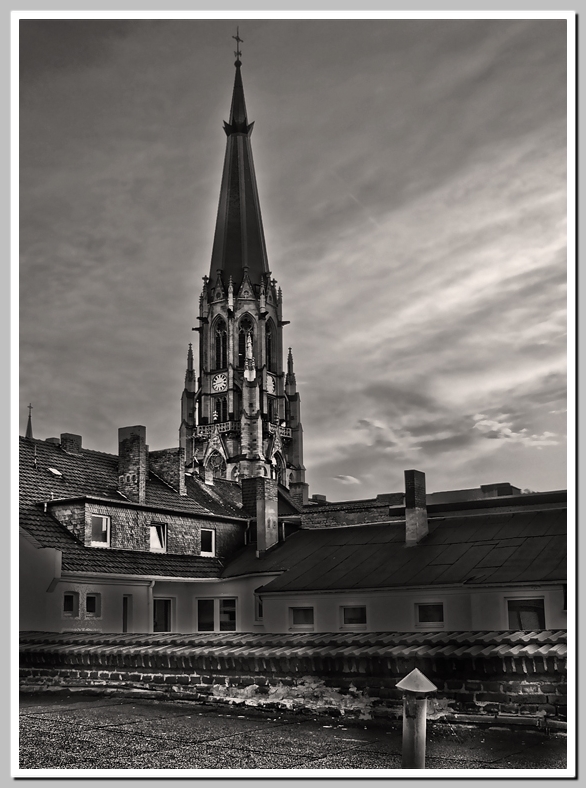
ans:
(493, 547)
(93, 473)
(548, 643)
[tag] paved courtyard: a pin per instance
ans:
(100, 732)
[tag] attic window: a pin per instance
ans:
(208, 543)
(100, 531)
(158, 538)
(54, 471)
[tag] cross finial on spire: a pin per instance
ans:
(239, 41)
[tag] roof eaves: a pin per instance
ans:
(208, 515)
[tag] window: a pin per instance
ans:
(354, 617)
(301, 618)
(221, 345)
(227, 615)
(161, 615)
(244, 330)
(221, 409)
(216, 615)
(273, 411)
(158, 538)
(217, 465)
(127, 613)
(208, 543)
(258, 610)
(271, 346)
(100, 531)
(526, 614)
(429, 616)
(70, 604)
(93, 605)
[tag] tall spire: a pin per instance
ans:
(29, 425)
(239, 238)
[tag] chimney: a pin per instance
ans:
(132, 463)
(71, 443)
(415, 508)
(169, 464)
(259, 499)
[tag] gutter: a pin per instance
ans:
(115, 577)
(430, 588)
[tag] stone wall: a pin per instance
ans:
(353, 675)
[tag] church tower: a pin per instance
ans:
(241, 417)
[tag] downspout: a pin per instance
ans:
(150, 622)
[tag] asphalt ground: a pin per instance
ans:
(93, 732)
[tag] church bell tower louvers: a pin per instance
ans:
(241, 417)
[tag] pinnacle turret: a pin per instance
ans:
(29, 424)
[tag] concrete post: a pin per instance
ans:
(416, 687)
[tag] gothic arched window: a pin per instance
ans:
(221, 409)
(217, 465)
(244, 329)
(271, 346)
(221, 345)
(278, 471)
(273, 413)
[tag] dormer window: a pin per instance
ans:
(100, 530)
(158, 538)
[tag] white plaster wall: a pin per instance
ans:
(110, 617)
(36, 571)
(395, 611)
(184, 605)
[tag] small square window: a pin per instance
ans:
(430, 616)
(93, 605)
(354, 616)
(301, 617)
(527, 614)
(208, 543)
(70, 604)
(158, 538)
(100, 530)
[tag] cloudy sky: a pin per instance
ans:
(412, 176)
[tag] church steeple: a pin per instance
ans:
(242, 420)
(239, 238)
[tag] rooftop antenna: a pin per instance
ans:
(239, 41)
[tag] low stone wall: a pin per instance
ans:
(511, 677)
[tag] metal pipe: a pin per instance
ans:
(414, 730)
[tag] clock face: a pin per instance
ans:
(270, 384)
(220, 382)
